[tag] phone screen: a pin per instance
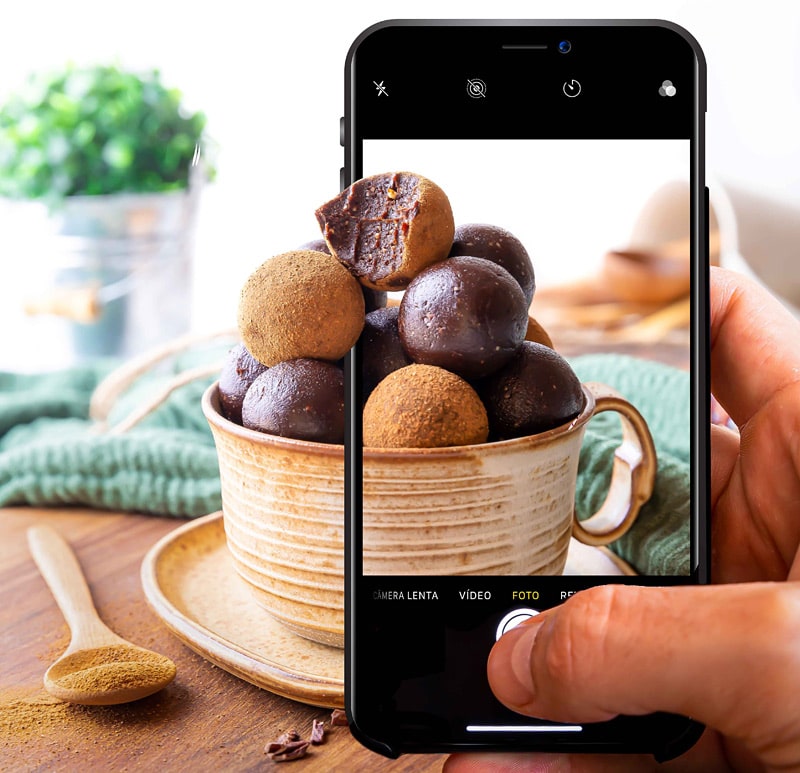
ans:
(578, 148)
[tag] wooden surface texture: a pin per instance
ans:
(206, 719)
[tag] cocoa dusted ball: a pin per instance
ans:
(381, 350)
(535, 392)
(388, 227)
(465, 314)
(498, 245)
(422, 406)
(301, 304)
(239, 370)
(301, 399)
(373, 299)
(538, 334)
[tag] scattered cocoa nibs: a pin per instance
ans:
(283, 752)
(339, 718)
(288, 737)
(317, 731)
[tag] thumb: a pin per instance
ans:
(720, 654)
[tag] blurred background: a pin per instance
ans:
(269, 86)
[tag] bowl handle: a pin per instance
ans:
(632, 477)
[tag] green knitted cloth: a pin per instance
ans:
(658, 543)
(49, 455)
(167, 464)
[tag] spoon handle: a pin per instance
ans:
(63, 575)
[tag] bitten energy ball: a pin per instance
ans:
(239, 370)
(535, 392)
(381, 350)
(388, 227)
(498, 245)
(465, 314)
(422, 406)
(373, 299)
(301, 399)
(300, 304)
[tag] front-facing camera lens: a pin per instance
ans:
(565, 46)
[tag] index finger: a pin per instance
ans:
(755, 344)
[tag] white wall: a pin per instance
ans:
(272, 86)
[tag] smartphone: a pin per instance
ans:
(583, 140)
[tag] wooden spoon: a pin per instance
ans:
(98, 668)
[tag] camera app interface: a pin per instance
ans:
(525, 387)
(524, 399)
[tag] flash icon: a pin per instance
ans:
(667, 89)
(380, 88)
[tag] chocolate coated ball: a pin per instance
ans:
(498, 245)
(465, 314)
(239, 370)
(381, 350)
(536, 391)
(373, 299)
(301, 399)
(319, 245)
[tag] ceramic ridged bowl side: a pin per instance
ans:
(502, 508)
(494, 509)
(282, 504)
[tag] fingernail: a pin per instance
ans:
(509, 667)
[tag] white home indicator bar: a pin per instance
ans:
(524, 728)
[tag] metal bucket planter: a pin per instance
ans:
(101, 276)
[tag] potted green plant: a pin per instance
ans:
(112, 163)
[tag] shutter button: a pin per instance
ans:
(514, 618)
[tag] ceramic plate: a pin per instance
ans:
(190, 582)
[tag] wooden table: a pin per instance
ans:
(205, 720)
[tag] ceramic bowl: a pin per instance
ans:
(503, 508)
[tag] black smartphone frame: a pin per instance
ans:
(664, 736)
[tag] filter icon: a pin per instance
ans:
(667, 89)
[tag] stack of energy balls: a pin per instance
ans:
(456, 362)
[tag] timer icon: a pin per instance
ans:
(571, 88)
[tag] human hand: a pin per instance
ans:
(726, 655)
(755, 473)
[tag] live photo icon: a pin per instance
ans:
(667, 89)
